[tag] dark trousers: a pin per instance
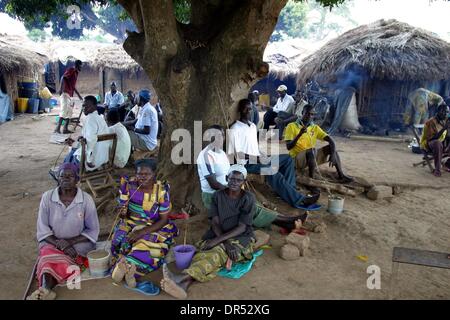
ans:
(282, 182)
(269, 119)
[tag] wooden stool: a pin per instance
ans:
(416, 257)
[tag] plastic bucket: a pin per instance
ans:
(22, 105)
(183, 255)
(99, 262)
(33, 106)
(28, 93)
(45, 94)
(335, 204)
(53, 103)
(28, 85)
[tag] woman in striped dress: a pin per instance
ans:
(144, 234)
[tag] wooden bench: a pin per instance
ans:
(416, 257)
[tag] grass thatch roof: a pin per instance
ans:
(67, 50)
(16, 59)
(385, 49)
(285, 57)
(93, 54)
(114, 57)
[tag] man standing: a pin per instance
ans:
(243, 145)
(420, 102)
(113, 100)
(144, 129)
(97, 153)
(301, 138)
(66, 91)
(282, 109)
(434, 138)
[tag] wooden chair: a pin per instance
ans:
(427, 156)
(416, 257)
(100, 179)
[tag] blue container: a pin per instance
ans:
(44, 103)
(28, 85)
(33, 106)
(53, 102)
(28, 93)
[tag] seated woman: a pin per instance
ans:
(67, 229)
(142, 237)
(230, 236)
(213, 166)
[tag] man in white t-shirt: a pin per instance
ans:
(213, 167)
(143, 130)
(283, 108)
(243, 146)
(97, 153)
(123, 146)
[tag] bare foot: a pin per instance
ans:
(119, 271)
(42, 294)
(171, 288)
(57, 131)
(129, 276)
(298, 224)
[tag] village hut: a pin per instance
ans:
(384, 61)
(63, 54)
(19, 65)
(102, 64)
(284, 59)
(114, 64)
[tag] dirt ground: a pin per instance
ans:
(331, 270)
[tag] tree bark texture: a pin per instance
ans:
(201, 69)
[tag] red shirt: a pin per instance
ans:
(70, 76)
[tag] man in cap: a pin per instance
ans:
(301, 138)
(144, 129)
(283, 108)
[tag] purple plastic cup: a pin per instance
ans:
(183, 255)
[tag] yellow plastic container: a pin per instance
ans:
(22, 105)
(45, 94)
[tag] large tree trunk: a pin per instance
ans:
(199, 70)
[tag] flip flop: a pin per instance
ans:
(176, 216)
(311, 207)
(146, 287)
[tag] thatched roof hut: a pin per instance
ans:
(17, 65)
(387, 59)
(284, 59)
(102, 64)
(385, 49)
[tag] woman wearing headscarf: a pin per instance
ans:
(230, 237)
(67, 229)
(144, 234)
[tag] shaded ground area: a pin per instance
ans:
(331, 270)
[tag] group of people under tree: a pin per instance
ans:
(68, 225)
(135, 121)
